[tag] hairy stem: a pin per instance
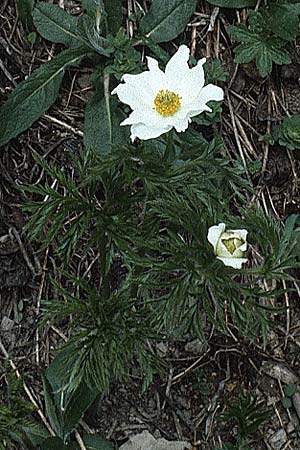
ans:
(169, 151)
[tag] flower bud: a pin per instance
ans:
(229, 246)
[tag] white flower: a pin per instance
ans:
(229, 246)
(163, 100)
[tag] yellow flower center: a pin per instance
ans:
(167, 102)
(232, 244)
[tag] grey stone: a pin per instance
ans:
(145, 441)
(278, 439)
(196, 347)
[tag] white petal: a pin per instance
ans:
(242, 249)
(192, 83)
(236, 263)
(240, 234)
(208, 93)
(134, 96)
(151, 118)
(214, 234)
(178, 60)
(153, 65)
(144, 132)
(137, 116)
(178, 72)
(197, 73)
(181, 125)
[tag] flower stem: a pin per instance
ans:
(169, 151)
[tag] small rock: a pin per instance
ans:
(278, 439)
(279, 372)
(292, 426)
(196, 346)
(157, 434)
(162, 349)
(7, 324)
(145, 441)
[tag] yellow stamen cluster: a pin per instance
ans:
(167, 102)
(232, 244)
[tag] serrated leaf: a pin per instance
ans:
(33, 96)
(93, 442)
(291, 388)
(242, 33)
(25, 8)
(113, 9)
(263, 60)
(245, 53)
(166, 19)
(102, 124)
(233, 3)
(56, 25)
(278, 54)
(284, 21)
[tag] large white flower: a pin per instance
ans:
(163, 100)
(229, 246)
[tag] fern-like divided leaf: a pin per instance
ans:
(248, 412)
(107, 336)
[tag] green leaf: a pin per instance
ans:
(71, 405)
(284, 21)
(102, 123)
(245, 53)
(33, 96)
(265, 50)
(53, 412)
(94, 8)
(278, 54)
(54, 443)
(36, 435)
(113, 9)
(242, 33)
(91, 37)
(56, 25)
(287, 402)
(233, 3)
(25, 8)
(264, 60)
(166, 19)
(93, 442)
(291, 388)
(76, 405)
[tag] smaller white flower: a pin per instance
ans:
(229, 246)
(162, 100)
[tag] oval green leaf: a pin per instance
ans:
(233, 3)
(54, 24)
(167, 19)
(33, 96)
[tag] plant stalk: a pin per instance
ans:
(168, 155)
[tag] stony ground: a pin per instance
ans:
(188, 402)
